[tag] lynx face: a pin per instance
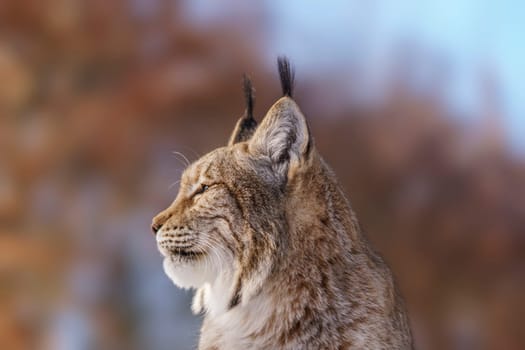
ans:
(204, 231)
(225, 225)
(196, 232)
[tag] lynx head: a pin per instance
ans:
(227, 226)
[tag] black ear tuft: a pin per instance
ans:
(248, 96)
(286, 74)
(247, 124)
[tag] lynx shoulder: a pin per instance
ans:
(264, 233)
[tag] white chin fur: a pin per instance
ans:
(212, 279)
(187, 275)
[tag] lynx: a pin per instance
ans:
(264, 233)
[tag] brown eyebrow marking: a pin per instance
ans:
(206, 172)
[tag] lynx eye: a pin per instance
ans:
(201, 190)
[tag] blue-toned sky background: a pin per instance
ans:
(470, 40)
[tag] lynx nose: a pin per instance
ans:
(155, 227)
(159, 220)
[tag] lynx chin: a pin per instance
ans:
(264, 233)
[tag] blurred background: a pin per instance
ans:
(418, 106)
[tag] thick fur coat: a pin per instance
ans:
(264, 233)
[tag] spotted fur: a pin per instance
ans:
(264, 233)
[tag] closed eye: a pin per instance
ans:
(201, 190)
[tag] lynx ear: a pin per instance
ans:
(283, 135)
(246, 125)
